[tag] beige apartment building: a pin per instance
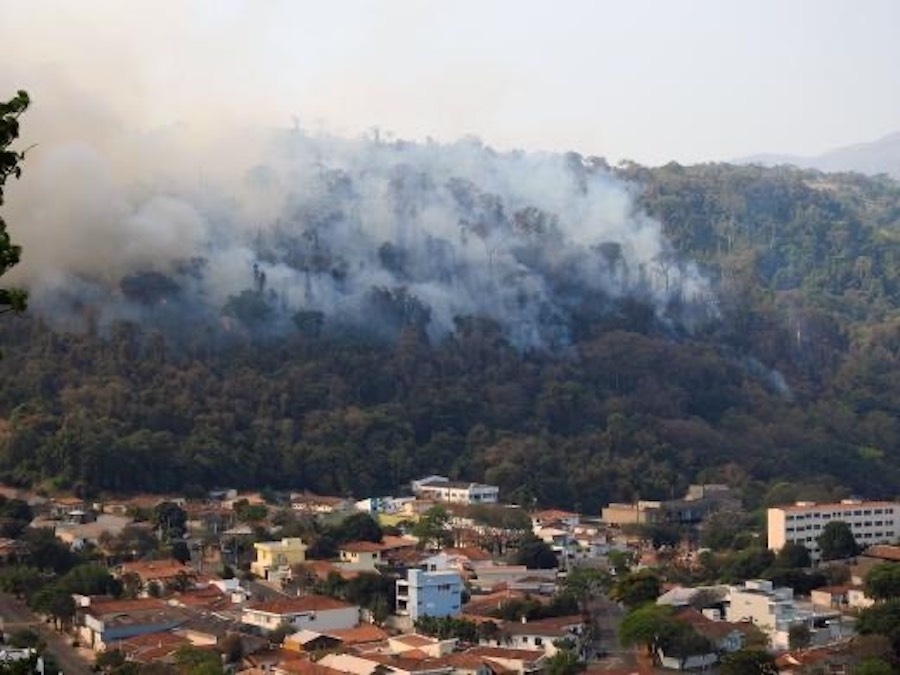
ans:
(802, 523)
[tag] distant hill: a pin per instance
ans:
(872, 158)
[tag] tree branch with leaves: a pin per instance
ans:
(11, 299)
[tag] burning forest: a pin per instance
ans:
(342, 232)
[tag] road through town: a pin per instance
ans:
(16, 615)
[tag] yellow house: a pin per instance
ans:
(275, 558)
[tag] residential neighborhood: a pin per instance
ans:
(431, 582)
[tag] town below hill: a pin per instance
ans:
(447, 579)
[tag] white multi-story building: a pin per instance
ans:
(456, 492)
(802, 523)
(773, 611)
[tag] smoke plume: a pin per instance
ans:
(263, 231)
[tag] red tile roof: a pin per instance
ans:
(414, 640)
(210, 598)
(704, 625)
(460, 660)
(555, 514)
(481, 605)
(557, 626)
(306, 603)
(401, 662)
(322, 568)
(151, 647)
(471, 552)
(157, 569)
(106, 606)
(883, 552)
(362, 547)
(306, 667)
(362, 634)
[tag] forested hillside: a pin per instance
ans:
(792, 373)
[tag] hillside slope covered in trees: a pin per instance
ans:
(796, 377)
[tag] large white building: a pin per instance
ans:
(441, 489)
(773, 611)
(802, 523)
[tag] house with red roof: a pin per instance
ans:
(543, 634)
(725, 636)
(161, 574)
(361, 555)
(102, 622)
(313, 612)
(152, 648)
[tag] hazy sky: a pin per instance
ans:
(650, 81)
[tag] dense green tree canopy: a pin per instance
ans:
(535, 554)
(793, 556)
(646, 626)
(170, 520)
(357, 527)
(748, 662)
(433, 528)
(636, 588)
(10, 111)
(837, 541)
(564, 662)
(882, 582)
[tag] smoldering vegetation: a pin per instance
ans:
(328, 234)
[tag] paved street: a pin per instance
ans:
(16, 615)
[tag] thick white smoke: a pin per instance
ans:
(363, 230)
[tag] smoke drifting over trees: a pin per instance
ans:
(356, 231)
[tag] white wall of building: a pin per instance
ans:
(321, 620)
(870, 522)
